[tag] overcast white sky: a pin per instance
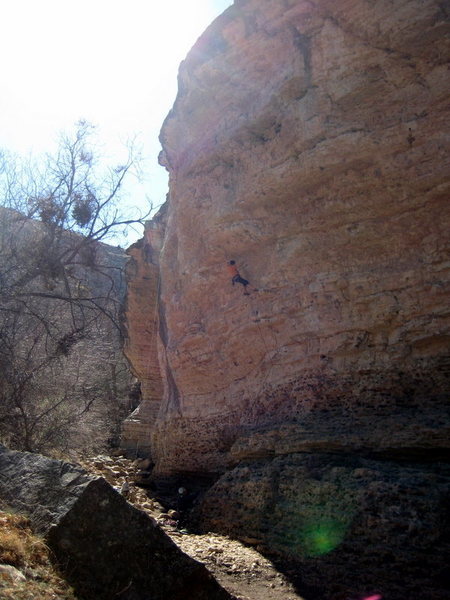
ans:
(111, 62)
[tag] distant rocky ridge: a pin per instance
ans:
(308, 143)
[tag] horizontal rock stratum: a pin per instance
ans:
(308, 142)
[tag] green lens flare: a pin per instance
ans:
(321, 538)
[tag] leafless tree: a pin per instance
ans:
(60, 290)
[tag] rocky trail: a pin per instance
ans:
(239, 568)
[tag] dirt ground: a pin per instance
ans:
(239, 568)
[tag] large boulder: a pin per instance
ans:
(107, 548)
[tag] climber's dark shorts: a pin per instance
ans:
(239, 279)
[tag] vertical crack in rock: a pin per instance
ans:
(172, 404)
(303, 44)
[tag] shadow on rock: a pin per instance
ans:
(107, 548)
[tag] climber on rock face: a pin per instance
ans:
(236, 276)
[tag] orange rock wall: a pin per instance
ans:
(141, 336)
(307, 142)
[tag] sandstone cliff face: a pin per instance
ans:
(308, 143)
(141, 339)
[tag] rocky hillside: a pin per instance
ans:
(308, 144)
(64, 382)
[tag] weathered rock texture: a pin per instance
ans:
(141, 339)
(308, 142)
(355, 526)
(108, 548)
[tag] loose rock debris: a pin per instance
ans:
(240, 569)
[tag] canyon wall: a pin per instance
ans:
(141, 334)
(308, 143)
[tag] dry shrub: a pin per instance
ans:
(28, 553)
(14, 540)
(12, 549)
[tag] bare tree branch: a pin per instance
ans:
(59, 297)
